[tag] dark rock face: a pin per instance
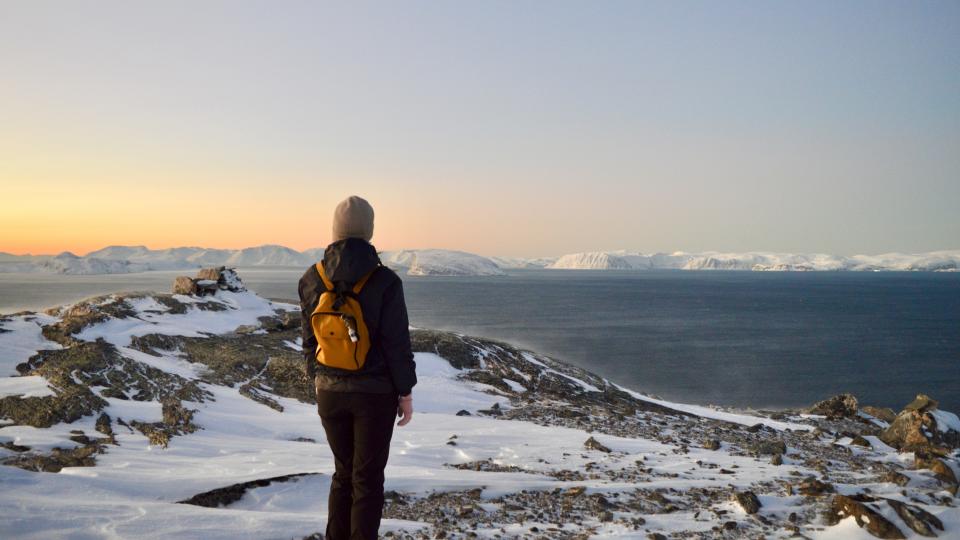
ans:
(747, 500)
(57, 459)
(839, 406)
(223, 496)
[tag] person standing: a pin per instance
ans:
(358, 403)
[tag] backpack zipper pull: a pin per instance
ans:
(351, 329)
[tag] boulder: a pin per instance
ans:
(770, 447)
(859, 440)
(943, 472)
(916, 429)
(593, 444)
(918, 519)
(812, 487)
(922, 403)
(211, 274)
(209, 281)
(861, 507)
(839, 406)
(747, 500)
(880, 413)
(184, 285)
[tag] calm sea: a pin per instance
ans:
(730, 338)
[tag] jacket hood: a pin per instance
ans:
(349, 259)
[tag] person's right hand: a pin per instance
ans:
(405, 409)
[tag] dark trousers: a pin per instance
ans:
(359, 427)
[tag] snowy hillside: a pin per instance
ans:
(937, 261)
(171, 416)
(439, 262)
(519, 262)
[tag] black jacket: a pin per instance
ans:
(389, 366)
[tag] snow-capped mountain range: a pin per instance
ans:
(759, 261)
(442, 262)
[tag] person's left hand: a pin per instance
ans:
(405, 409)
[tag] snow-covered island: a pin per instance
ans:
(147, 415)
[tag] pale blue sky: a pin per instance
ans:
(505, 128)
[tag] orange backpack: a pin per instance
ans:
(343, 340)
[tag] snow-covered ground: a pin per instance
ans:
(530, 445)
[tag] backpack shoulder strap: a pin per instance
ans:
(363, 281)
(323, 276)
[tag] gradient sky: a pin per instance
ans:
(503, 128)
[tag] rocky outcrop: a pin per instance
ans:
(224, 496)
(866, 510)
(916, 429)
(839, 406)
(867, 515)
(209, 281)
(177, 420)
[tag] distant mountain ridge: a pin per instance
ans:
(934, 261)
(444, 262)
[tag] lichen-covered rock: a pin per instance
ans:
(918, 519)
(57, 459)
(184, 285)
(943, 472)
(103, 424)
(863, 510)
(770, 447)
(70, 403)
(177, 420)
(812, 487)
(916, 429)
(74, 370)
(839, 406)
(921, 403)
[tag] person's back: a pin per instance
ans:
(358, 406)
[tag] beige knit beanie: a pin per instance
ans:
(353, 218)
